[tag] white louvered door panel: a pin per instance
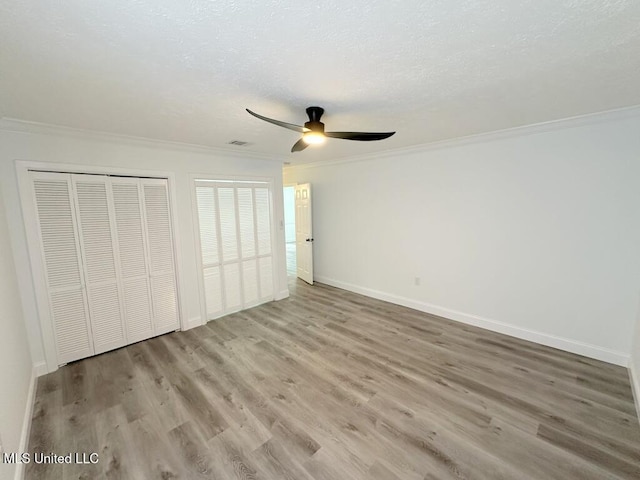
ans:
(228, 226)
(63, 268)
(160, 251)
(266, 278)
(263, 221)
(232, 288)
(213, 292)
(98, 247)
(247, 228)
(133, 258)
(209, 248)
(207, 221)
(250, 295)
(263, 234)
(247, 222)
(229, 239)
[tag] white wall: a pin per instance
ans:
(16, 365)
(533, 232)
(56, 145)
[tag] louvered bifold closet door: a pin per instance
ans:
(100, 257)
(63, 269)
(130, 232)
(161, 261)
(235, 239)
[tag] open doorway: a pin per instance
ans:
(290, 229)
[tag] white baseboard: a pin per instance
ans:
(573, 346)
(282, 294)
(40, 368)
(193, 323)
(634, 377)
(26, 421)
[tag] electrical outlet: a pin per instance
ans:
(416, 281)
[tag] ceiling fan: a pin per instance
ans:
(313, 131)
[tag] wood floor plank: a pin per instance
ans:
(273, 461)
(192, 449)
(80, 438)
(327, 384)
(47, 428)
(155, 455)
(117, 460)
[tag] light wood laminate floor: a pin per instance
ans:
(330, 385)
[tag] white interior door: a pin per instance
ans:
(304, 233)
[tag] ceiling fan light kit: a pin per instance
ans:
(313, 138)
(313, 131)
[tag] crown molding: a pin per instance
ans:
(23, 126)
(533, 129)
(15, 125)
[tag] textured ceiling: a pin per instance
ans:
(430, 69)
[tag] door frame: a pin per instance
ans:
(29, 216)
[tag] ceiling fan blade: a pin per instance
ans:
(361, 136)
(299, 146)
(290, 126)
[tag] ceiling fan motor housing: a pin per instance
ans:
(315, 113)
(314, 124)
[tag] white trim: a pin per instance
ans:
(634, 378)
(25, 165)
(580, 348)
(194, 322)
(22, 126)
(195, 222)
(40, 368)
(282, 294)
(38, 275)
(33, 244)
(177, 251)
(26, 421)
(536, 128)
